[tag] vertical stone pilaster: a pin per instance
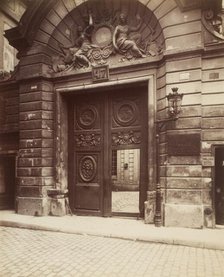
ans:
(35, 163)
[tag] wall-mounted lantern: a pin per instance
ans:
(174, 102)
(174, 108)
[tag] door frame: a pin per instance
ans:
(214, 148)
(62, 163)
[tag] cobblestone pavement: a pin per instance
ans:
(40, 253)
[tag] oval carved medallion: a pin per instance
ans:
(87, 168)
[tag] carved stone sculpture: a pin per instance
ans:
(108, 35)
(126, 43)
(214, 23)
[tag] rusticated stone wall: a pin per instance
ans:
(35, 163)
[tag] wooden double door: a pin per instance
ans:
(108, 152)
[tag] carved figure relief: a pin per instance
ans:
(110, 34)
(214, 23)
(126, 40)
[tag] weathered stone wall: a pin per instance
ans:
(212, 126)
(9, 107)
(35, 164)
(183, 173)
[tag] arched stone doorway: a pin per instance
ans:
(79, 50)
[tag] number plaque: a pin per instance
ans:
(100, 73)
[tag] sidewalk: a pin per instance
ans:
(122, 228)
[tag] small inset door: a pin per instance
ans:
(108, 151)
(125, 181)
(219, 185)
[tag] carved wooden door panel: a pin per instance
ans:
(87, 154)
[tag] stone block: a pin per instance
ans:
(164, 8)
(33, 106)
(176, 17)
(70, 5)
(187, 28)
(32, 206)
(30, 125)
(185, 196)
(212, 123)
(213, 111)
(184, 42)
(30, 134)
(47, 133)
(29, 191)
(184, 183)
(57, 207)
(213, 63)
(184, 171)
(189, 123)
(48, 106)
(191, 216)
(213, 98)
(210, 87)
(192, 99)
(184, 160)
(31, 97)
(213, 134)
(185, 64)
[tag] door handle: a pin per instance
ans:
(126, 166)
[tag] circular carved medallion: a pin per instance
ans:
(87, 116)
(102, 36)
(87, 168)
(125, 113)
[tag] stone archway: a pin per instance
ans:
(93, 34)
(50, 58)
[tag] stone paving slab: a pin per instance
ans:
(38, 253)
(123, 228)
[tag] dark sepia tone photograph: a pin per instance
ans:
(112, 138)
